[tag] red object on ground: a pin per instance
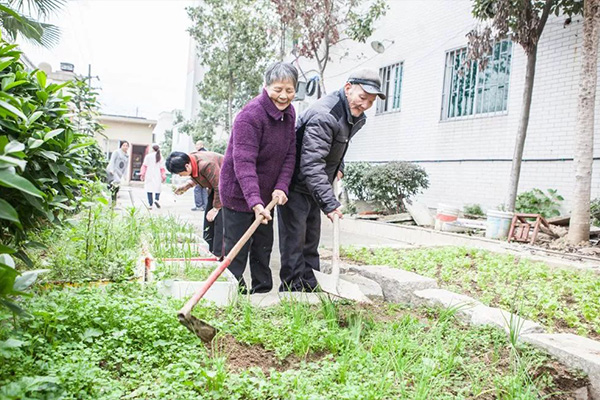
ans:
(213, 258)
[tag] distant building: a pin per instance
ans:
(136, 130)
(66, 73)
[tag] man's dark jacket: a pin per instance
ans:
(323, 133)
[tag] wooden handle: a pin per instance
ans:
(187, 308)
(335, 257)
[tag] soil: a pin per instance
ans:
(242, 356)
(564, 380)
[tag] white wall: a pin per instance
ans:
(423, 31)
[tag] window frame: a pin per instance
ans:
(395, 99)
(477, 101)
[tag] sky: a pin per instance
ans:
(137, 48)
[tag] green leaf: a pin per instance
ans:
(13, 161)
(13, 147)
(52, 134)
(27, 279)
(5, 62)
(7, 260)
(34, 143)
(8, 212)
(13, 110)
(11, 343)
(41, 95)
(51, 155)
(12, 180)
(14, 84)
(6, 250)
(13, 307)
(33, 117)
(41, 78)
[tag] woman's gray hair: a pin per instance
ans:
(281, 71)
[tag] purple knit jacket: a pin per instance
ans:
(260, 156)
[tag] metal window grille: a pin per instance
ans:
(468, 91)
(391, 85)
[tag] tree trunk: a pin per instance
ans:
(579, 227)
(522, 132)
(230, 104)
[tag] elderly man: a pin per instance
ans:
(323, 133)
(203, 168)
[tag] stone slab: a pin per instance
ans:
(369, 287)
(464, 305)
(398, 285)
(220, 293)
(573, 351)
(484, 315)
(273, 298)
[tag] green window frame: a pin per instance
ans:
(391, 85)
(469, 91)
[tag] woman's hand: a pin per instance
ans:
(212, 214)
(281, 197)
(260, 210)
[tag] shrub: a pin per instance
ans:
(44, 159)
(392, 182)
(354, 179)
(536, 201)
(473, 209)
(595, 211)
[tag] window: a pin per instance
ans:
(469, 91)
(391, 85)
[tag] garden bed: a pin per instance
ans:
(562, 300)
(123, 341)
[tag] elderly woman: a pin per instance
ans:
(258, 167)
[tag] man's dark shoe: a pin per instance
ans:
(156, 204)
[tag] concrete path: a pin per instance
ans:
(180, 207)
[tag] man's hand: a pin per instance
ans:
(281, 197)
(212, 214)
(340, 175)
(336, 211)
(181, 189)
(259, 210)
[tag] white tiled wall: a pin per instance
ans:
(423, 31)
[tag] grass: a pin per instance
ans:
(560, 299)
(186, 271)
(100, 244)
(122, 341)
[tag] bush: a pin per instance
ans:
(44, 158)
(595, 211)
(536, 201)
(473, 209)
(354, 179)
(390, 183)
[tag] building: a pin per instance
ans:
(136, 130)
(460, 125)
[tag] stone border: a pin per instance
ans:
(400, 286)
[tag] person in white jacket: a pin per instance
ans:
(117, 168)
(153, 174)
